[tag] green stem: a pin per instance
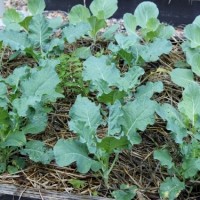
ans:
(107, 173)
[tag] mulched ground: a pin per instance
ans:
(136, 167)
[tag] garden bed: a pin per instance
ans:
(49, 173)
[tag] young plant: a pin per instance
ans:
(152, 40)
(183, 124)
(83, 23)
(126, 113)
(24, 96)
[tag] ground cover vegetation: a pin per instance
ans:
(104, 94)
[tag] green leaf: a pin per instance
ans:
(126, 56)
(39, 31)
(42, 83)
(3, 96)
(182, 77)
(197, 21)
(191, 32)
(37, 123)
(69, 151)
(77, 184)
(96, 25)
(114, 118)
(110, 144)
(126, 192)
(111, 97)
(110, 32)
(11, 18)
(103, 9)
(175, 121)
(164, 157)
(165, 32)
(100, 73)
(195, 63)
(138, 115)
(190, 167)
(144, 12)
(126, 41)
(38, 152)
(75, 32)
(16, 40)
(18, 75)
(149, 89)
(79, 13)
(190, 105)
(16, 139)
(130, 23)
(83, 52)
(171, 188)
(152, 51)
(26, 22)
(85, 119)
(36, 6)
(130, 79)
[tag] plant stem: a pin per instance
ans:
(107, 172)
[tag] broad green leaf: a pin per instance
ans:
(110, 32)
(42, 83)
(16, 40)
(85, 119)
(36, 6)
(130, 23)
(79, 13)
(195, 63)
(126, 192)
(165, 32)
(130, 79)
(138, 114)
(114, 118)
(175, 121)
(96, 25)
(18, 75)
(54, 44)
(164, 157)
(171, 188)
(4, 121)
(111, 97)
(103, 9)
(75, 32)
(69, 151)
(23, 104)
(55, 23)
(152, 24)
(83, 52)
(16, 139)
(39, 31)
(110, 144)
(144, 12)
(26, 22)
(197, 21)
(37, 123)
(126, 56)
(100, 73)
(126, 41)
(152, 51)
(85, 111)
(11, 18)
(149, 89)
(182, 77)
(190, 105)
(191, 32)
(38, 152)
(3, 95)
(190, 167)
